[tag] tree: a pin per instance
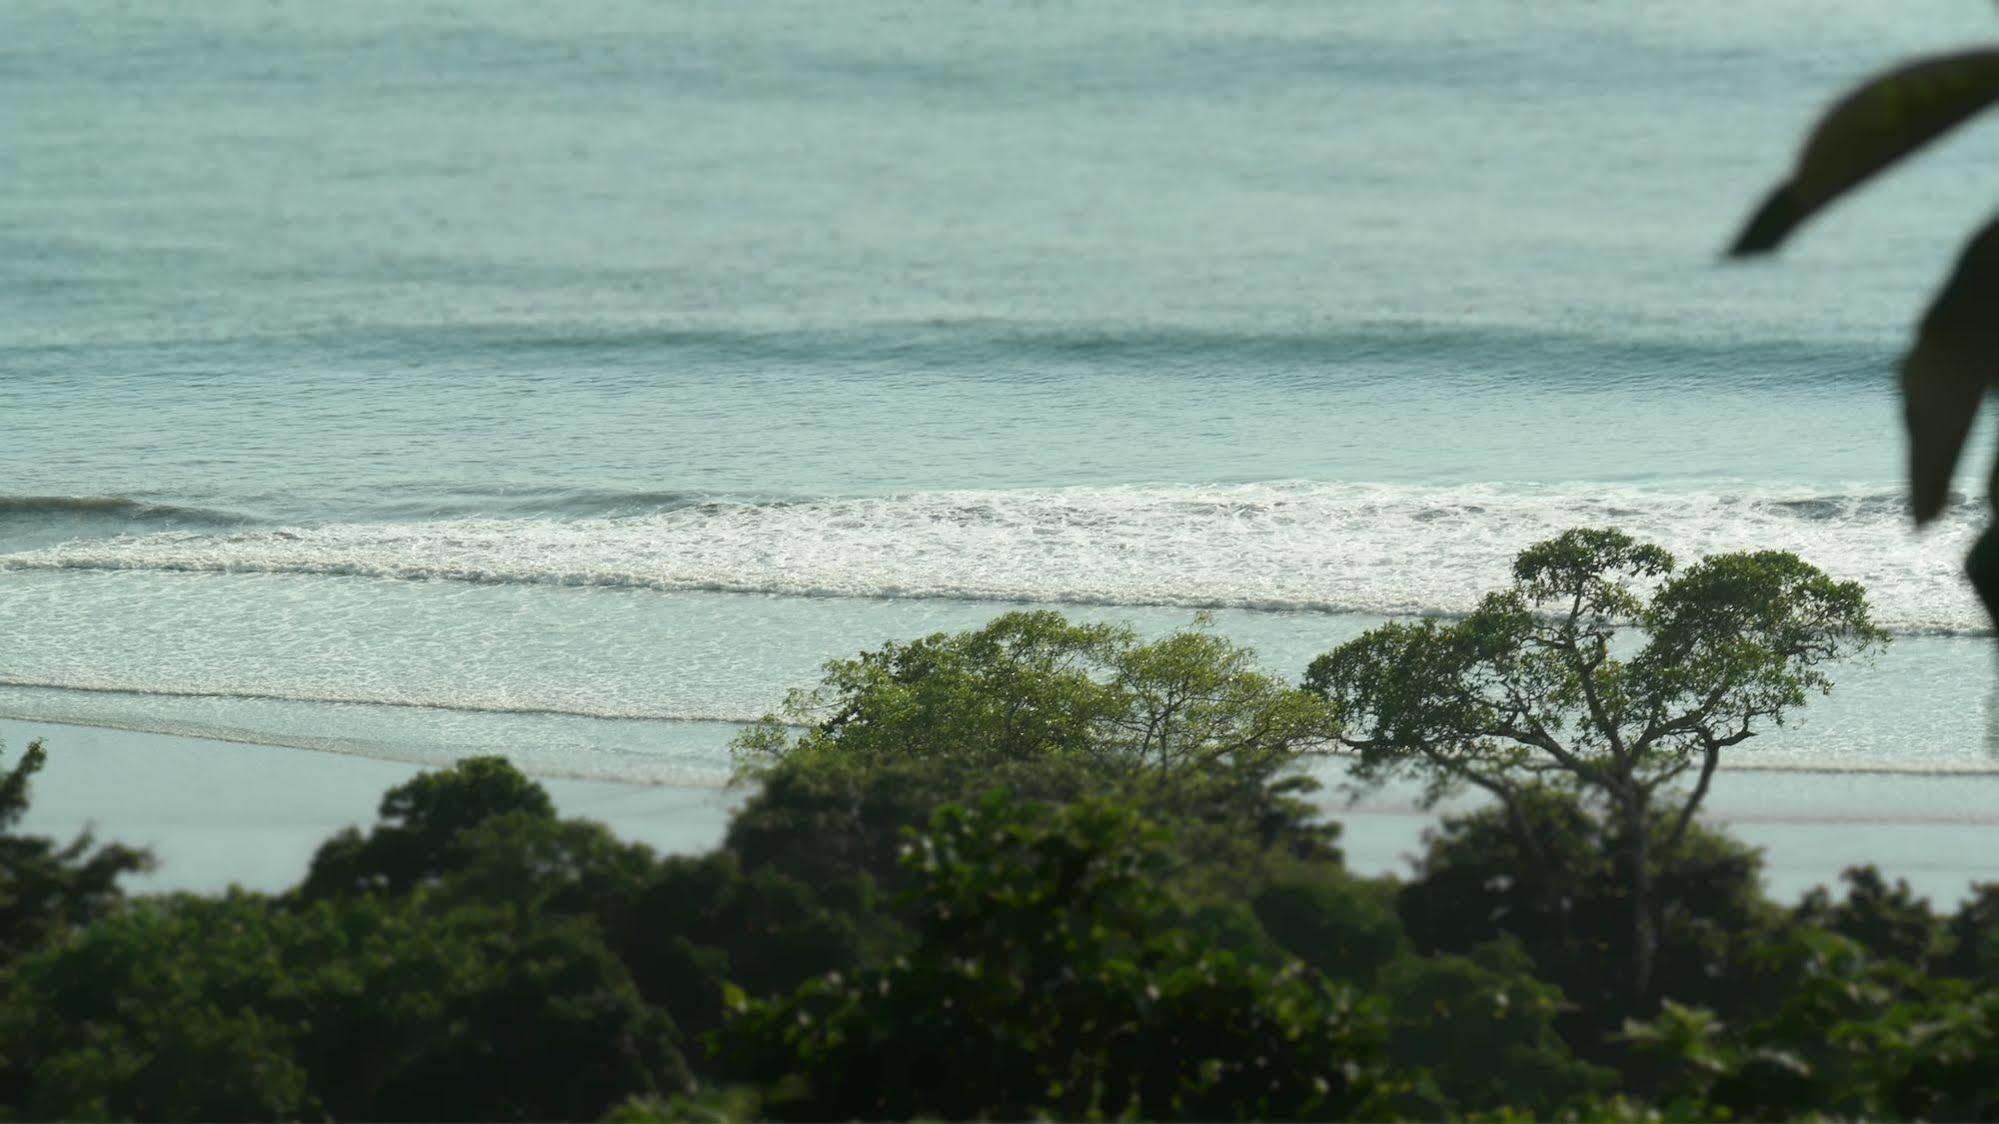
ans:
(534, 864)
(1839, 1035)
(1974, 935)
(1032, 686)
(45, 887)
(832, 827)
(1538, 686)
(1568, 909)
(825, 825)
(418, 838)
(1183, 726)
(1485, 1029)
(1052, 976)
(702, 929)
(1890, 920)
(1340, 925)
(1956, 353)
(362, 1008)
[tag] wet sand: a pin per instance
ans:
(217, 813)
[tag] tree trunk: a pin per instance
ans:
(1644, 938)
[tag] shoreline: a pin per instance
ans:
(218, 812)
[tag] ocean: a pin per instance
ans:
(418, 379)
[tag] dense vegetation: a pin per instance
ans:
(1041, 869)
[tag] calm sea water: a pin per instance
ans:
(412, 379)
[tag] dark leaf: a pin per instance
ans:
(1945, 374)
(1884, 120)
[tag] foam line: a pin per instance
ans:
(1374, 549)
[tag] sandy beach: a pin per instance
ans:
(219, 813)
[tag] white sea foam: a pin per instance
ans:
(1378, 549)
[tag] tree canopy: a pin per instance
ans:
(1045, 958)
(1103, 909)
(1049, 979)
(1601, 670)
(1034, 686)
(45, 886)
(1186, 726)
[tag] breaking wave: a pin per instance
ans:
(108, 507)
(1376, 549)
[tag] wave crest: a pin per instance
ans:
(1380, 549)
(109, 507)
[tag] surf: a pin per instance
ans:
(1283, 546)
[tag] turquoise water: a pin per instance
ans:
(409, 379)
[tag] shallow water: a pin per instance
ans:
(404, 380)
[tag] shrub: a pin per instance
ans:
(1051, 975)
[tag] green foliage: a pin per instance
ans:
(483, 835)
(826, 825)
(1484, 1027)
(1048, 977)
(421, 822)
(1974, 936)
(146, 1015)
(1603, 671)
(709, 1106)
(1890, 921)
(1568, 909)
(1032, 686)
(1932, 1060)
(1792, 1053)
(1846, 1035)
(46, 888)
(838, 826)
(1529, 685)
(230, 1008)
(1019, 689)
(1118, 938)
(536, 865)
(701, 930)
(1184, 727)
(1344, 928)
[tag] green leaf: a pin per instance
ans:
(1944, 376)
(1877, 124)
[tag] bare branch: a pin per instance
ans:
(1710, 757)
(1509, 797)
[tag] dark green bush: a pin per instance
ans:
(46, 887)
(1484, 1028)
(1052, 975)
(364, 1008)
(1890, 920)
(417, 839)
(1569, 912)
(1332, 921)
